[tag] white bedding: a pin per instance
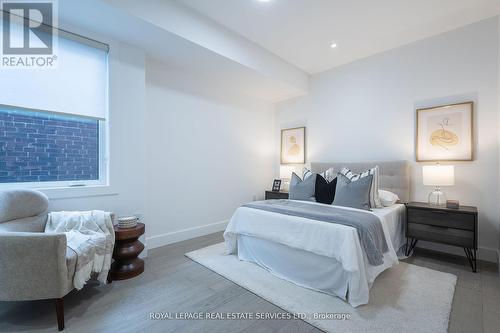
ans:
(338, 243)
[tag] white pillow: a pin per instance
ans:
(387, 198)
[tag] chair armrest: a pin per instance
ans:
(32, 266)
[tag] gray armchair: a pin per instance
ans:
(33, 265)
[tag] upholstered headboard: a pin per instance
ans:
(394, 175)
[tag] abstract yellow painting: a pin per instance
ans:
(444, 133)
(293, 145)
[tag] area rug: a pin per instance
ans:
(405, 298)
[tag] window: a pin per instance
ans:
(45, 147)
(53, 121)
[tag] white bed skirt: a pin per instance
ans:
(301, 267)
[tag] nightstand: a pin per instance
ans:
(456, 227)
(276, 195)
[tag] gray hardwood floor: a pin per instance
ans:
(174, 283)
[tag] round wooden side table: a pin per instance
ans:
(127, 248)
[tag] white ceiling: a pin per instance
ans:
(301, 31)
(183, 55)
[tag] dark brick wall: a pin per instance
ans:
(41, 147)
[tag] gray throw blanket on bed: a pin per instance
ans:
(368, 226)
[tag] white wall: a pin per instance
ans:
(208, 152)
(365, 111)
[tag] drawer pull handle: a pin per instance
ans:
(437, 227)
(439, 212)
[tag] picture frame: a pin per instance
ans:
(276, 185)
(293, 150)
(445, 133)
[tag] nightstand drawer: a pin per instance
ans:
(276, 195)
(441, 218)
(463, 238)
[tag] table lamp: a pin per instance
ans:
(437, 176)
(286, 174)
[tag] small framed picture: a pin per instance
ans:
(276, 185)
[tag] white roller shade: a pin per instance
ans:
(77, 86)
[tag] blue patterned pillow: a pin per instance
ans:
(329, 174)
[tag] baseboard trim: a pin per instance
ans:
(184, 234)
(483, 253)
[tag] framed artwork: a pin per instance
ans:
(444, 133)
(276, 185)
(293, 145)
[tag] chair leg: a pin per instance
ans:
(60, 313)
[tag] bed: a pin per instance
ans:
(327, 257)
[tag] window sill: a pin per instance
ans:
(56, 193)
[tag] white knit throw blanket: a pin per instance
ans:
(91, 235)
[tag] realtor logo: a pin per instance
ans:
(28, 33)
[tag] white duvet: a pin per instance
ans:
(326, 239)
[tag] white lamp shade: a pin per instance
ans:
(286, 171)
(439, 175)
